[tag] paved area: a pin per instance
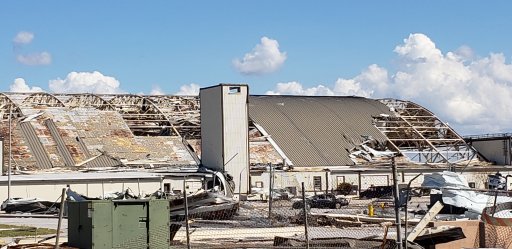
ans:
(250, 225)
(35, 222)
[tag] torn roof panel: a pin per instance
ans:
(317, 131)
(87, 132)
(262, 152)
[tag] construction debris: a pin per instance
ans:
(30, 205)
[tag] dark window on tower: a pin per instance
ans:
(234, 89)
(317, 182)
(167, 187)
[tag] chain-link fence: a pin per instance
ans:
(293, 215)
(346, 217)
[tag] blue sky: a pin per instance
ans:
(314, 48)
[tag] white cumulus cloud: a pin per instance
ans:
(19, 85)
(190, 89)
(34, 59)
(85, 82)
(23, 37)
(471, 93)
(156, 90)
(296, 88)
(374, 76)
(30, 59)
(264, 58)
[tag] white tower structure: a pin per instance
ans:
(224, 132)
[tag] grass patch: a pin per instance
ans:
(19, 231)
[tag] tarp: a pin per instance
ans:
(445, 179)
(475, 202)
(456, 192)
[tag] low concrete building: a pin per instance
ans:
(496, 148)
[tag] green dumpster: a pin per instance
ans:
(119, 224)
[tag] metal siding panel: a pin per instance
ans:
(236, 136)
(159, 224)
(129, 223)
(102, 220)
(83, 147)
(102, 161)
(43, 161)
(320, 120)
(79, 225)
(292, 141)
(211, 128)
(491, 149)
(61, 146)
(317, 131)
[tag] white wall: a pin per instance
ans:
(2, 158)
(236, 136)
(498, 151)
(224, 132)
(211, 128)
(294, 179)
(52, 191)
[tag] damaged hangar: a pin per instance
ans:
(322, 141)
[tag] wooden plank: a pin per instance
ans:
(432, 212)
(358, 218)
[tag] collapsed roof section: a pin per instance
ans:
(145, 115)
(293, 130)
(418, 134)
(86, 130)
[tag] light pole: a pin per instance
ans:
(10, 155)
(396, 195)
(406, 206)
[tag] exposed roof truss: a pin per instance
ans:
(7, 106)
(142, 115)
(418, 134)
(182, 112)
(42, 99)
(88, 100)
(153, 115)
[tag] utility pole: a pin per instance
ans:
(406, 205)
(61, 214)
(326, 181)
(270, 186)
(305, 211)
(396, 195)
(10, 155)
(187, 226)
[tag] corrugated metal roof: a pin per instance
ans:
(61, 145)
(43, 161)
(317, 131)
